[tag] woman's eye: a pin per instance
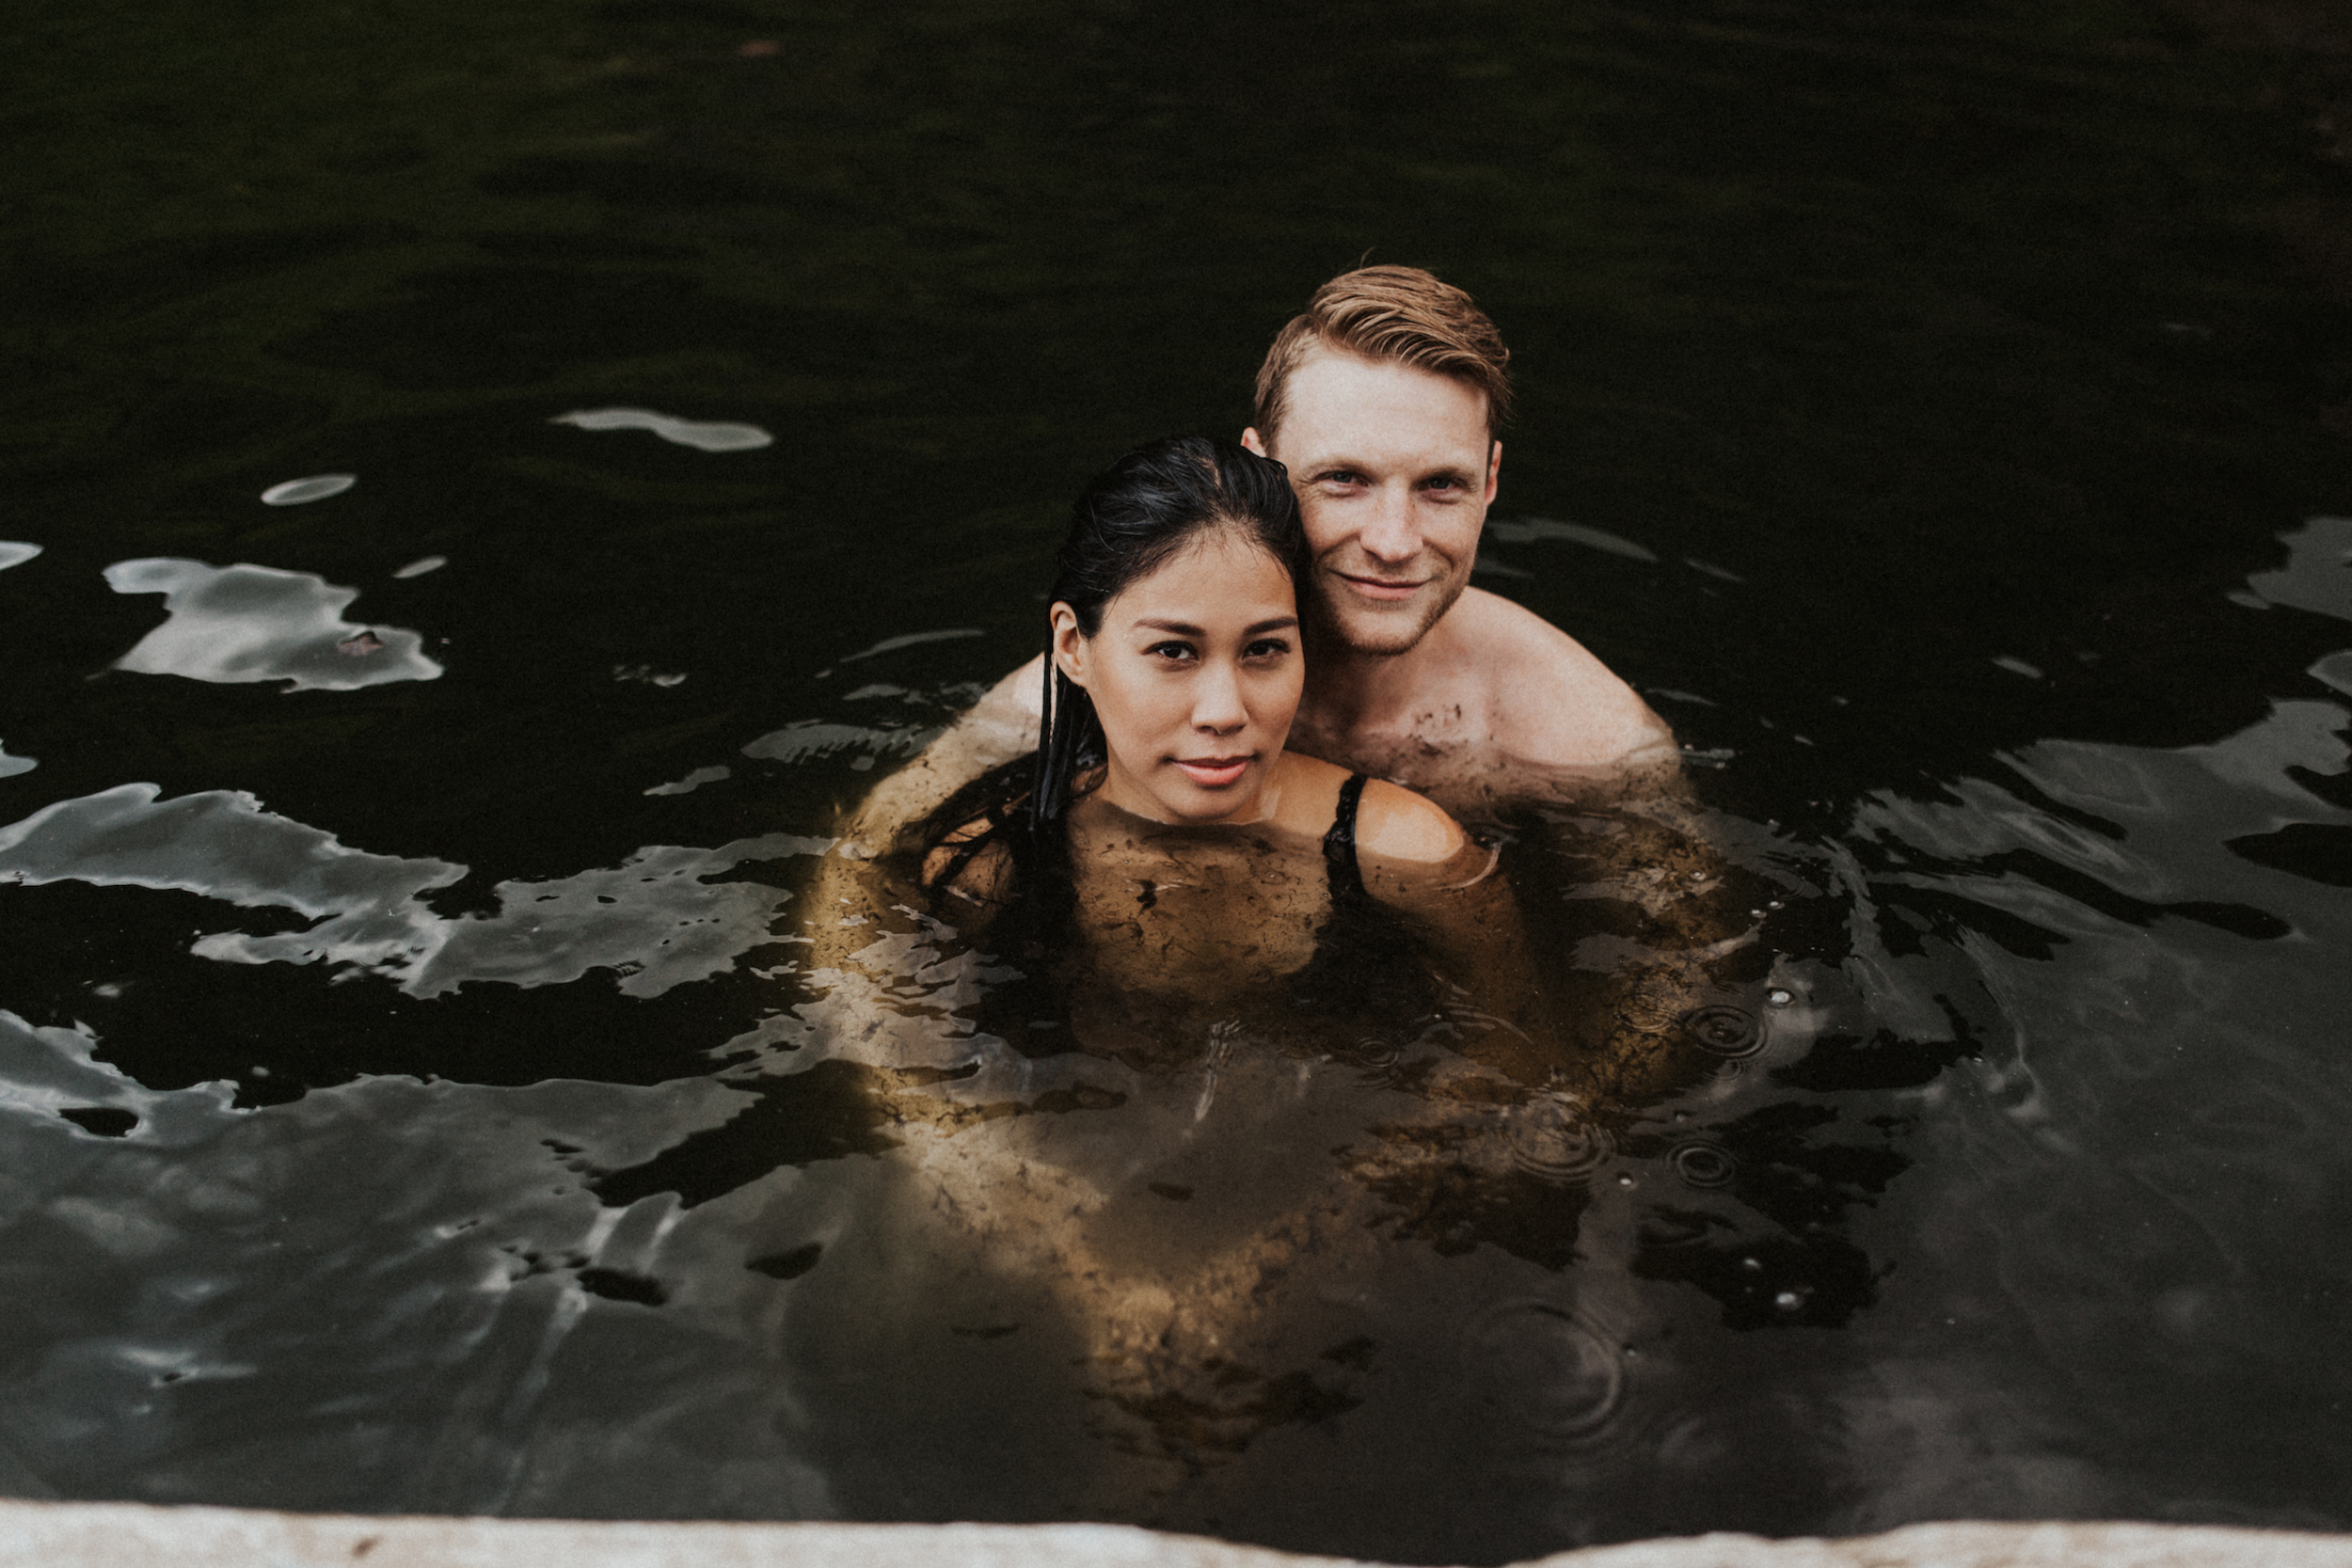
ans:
(1266, 647)
(1169, 650)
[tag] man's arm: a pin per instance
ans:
(994, 730)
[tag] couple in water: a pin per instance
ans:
(1190, 882)
(1269, 648)
(1382, 401)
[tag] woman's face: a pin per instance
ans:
(1195, 675)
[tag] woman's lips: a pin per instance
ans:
(1214, 772)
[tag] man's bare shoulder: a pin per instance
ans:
(1550, 700)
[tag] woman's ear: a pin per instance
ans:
(1068, 645)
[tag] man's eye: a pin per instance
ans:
(1342, 476)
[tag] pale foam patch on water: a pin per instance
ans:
(242, 623)
(652, 920)
(701, 435)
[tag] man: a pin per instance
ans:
(1383, 400)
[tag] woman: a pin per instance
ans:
(1169, 850)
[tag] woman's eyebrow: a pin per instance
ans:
(1185, 629)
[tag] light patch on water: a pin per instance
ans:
(15, 554)
(242, 624)
(1526, 531)
(703, 436)
(2335, 670)
(2319, 573)
(54, 1069)
(294, 492)
(809, 738)
(1709, 568)
(913, 639)
(423, 564)
(11, 767)
(693, 782)
(652, 920)
(2019, 667)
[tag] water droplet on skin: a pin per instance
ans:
(1779, 998)
(1788, 1301)
(1753, 1265)
(1625, 1181)
(1775, 904)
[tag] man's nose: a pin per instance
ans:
(1216, 702)
(1388, 534)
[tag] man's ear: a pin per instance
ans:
(1068, 645)
(1250, 439)
(1494, 471)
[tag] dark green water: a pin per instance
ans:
(1959, 346)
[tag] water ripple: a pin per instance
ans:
(1552, 1140)
(1558, 1375)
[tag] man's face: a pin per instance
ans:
(1394, 470)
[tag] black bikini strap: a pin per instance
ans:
(1339, 844)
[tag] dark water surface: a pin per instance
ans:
(410, 1094)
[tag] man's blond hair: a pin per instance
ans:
(1399, 314)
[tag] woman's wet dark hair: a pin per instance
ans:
(1134, 517)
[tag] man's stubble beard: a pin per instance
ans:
(1387, 641)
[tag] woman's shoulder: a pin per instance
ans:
(1391, 822)
(1396, 824)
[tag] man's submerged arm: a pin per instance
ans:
(994, 730)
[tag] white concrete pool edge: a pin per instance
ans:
(137, 1535)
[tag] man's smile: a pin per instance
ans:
(1382, 588)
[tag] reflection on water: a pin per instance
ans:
(242, 622)
(652, 920)
(701, 435)
(294, 492)
(445, 1090)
